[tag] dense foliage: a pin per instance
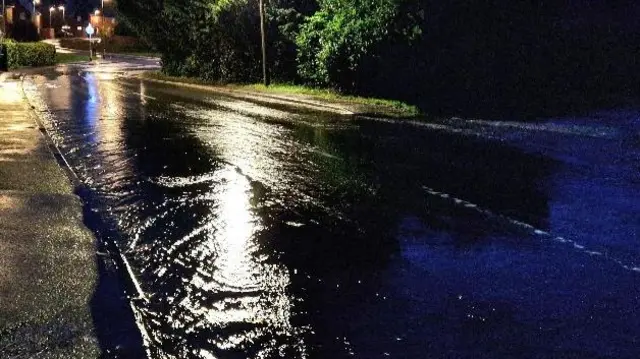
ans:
(116, 44)
(455, 55)
(213, 40)
(346, 43)
(23, 54)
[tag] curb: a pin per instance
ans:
(259, 97)
(132, 288)
(133, 56)
(320, 105)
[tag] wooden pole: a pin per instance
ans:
(103, 35)
(4, 19)
(265, 72)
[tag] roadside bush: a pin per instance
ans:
(346, 42)
(284, 19)
(219, 40)
(75, 43)
(3, 56)
(456, 56)
(23, 54)
(124, 29)
(114, 44)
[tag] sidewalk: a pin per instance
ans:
(48, 272)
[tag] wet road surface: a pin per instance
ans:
(262, 232)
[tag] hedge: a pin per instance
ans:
(24, 54)
(114, 44)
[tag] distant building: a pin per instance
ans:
(77, 21)
(51, 20)
(103, 20)
(104, 25)
(23, 21)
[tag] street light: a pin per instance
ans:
(35, 18)
(35, 3)
(61, 8)
(4, 18)
(51, 10)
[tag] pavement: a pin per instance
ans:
(48, 269)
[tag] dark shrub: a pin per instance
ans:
(345, 43)
(23, 54)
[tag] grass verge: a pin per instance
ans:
(361, 105)
(139, 53)
(67, 58)
(403, 108)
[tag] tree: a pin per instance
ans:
(347, 41)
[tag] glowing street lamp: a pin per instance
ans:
(34, 15)
(35, 3)
(4, 18)
(61, 8)
(51, 10)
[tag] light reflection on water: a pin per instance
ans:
(214, 282)
(235, 290)
(255, 239)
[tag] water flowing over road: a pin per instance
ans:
(269, 232)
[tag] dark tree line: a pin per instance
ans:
(465, 56)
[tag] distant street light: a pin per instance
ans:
(35, 2)
(4, 18)
(51, 10)
(61, 7)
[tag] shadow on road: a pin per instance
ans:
(113, 319)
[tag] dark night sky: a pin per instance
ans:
(622, 14)
(619, 14)
(89, 3)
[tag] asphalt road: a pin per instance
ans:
(268, 232)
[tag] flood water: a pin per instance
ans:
(265, 232)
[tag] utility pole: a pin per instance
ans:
(3, 34)
(4, 19)
(265, 72)
(104, 36)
